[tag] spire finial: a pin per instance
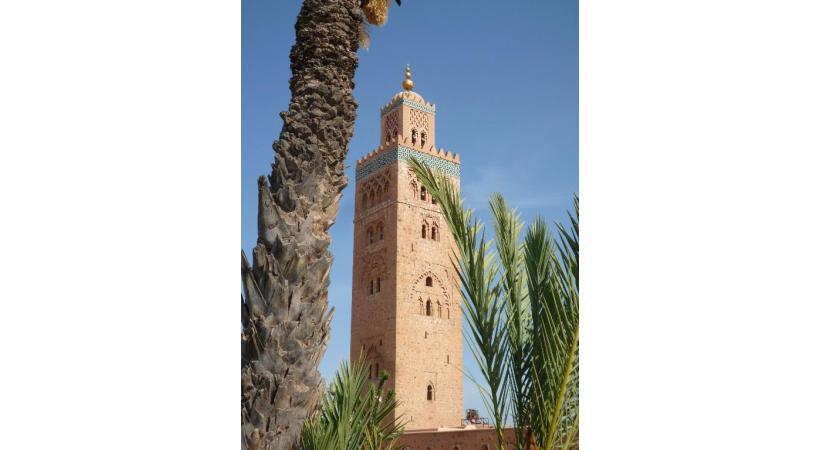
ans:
(408, 83)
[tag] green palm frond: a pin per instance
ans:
(354, 414)
(477, 270)
(507, 227)
(521, 308)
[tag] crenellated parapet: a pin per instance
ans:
(446, 161)
(406, 142)
(408, 98)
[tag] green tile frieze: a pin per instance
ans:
(403, 153)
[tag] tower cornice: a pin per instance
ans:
(410, 99)
(448, 162)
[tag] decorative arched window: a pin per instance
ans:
(424, 193)
(428, 281)
(424, 231)
(381, 231)
(429, 307)
(430, 392)
(455, 447)
(370, 371)
(378, 284)
(433, 199)
(423, 138)
(433, 233)
(413, 134)
(371, 287)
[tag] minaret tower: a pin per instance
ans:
(406, 315)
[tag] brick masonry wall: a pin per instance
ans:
(391, 325)
(392, 261)
(461, 439)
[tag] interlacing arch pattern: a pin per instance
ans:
(427, 303)
(391, 126)
(375, 190)
(418, 119)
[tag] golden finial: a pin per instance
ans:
(408, 83)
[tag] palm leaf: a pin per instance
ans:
(355, 414)
(521, 309)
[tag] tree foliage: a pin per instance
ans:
(354, 414)
(521, 307)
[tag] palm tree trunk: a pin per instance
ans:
(285, 319)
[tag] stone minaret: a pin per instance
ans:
(406, 315)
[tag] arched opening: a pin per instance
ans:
(424, 193)
(428, 281)
(434, 234)
(424, 231)
(430, 392)
(423, 138)
(370, 371)
(429, 307)
(413, 134)
(381, 231)
(378, 284)
(371, 287)
(485, 447)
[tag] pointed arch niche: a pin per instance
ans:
(430, 286)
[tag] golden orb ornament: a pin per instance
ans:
(408, 83)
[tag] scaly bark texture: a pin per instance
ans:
(285, 318)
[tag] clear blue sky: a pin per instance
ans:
(503, 76)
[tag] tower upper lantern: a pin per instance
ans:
(407, 119)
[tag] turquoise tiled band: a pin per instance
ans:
(411, 104)
(404, 154)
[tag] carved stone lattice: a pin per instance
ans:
(391, 125)
(418, 120)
